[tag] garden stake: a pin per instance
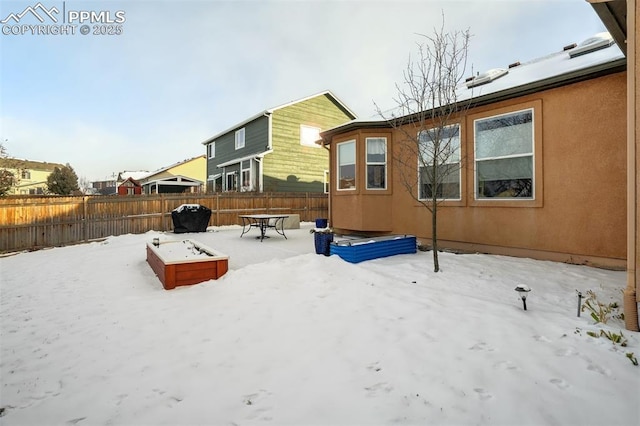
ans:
(579, 301)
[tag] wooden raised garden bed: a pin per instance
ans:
(185, 262)
(358, 250)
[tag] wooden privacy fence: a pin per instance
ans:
(37, 222)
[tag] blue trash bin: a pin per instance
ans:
(321, 223)
(323, 242)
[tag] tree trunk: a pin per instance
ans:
(434, 238)
(434, 211)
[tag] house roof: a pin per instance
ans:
(137, 175)
(554, 70)
(164, 169)
(177, 180)
(613, 14)
(29, 164)
(132, 180)
(270, 111)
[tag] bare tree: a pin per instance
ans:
(427, 157)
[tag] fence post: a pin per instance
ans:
(84, 219)
(218, 209)
(163, 207)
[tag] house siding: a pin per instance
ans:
(578, 212)
(194, 169)
(38, 173)
(293, 167)
(256, 141)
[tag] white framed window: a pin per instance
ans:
(245, 175)
(504, 163)
(326, 181)
(346, 165)
(232, 181)
(376, 162)
(214, 183)
(240, 138)
(443, 145)
(211, 150)
(309, 135)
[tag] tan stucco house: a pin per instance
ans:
(547, 162)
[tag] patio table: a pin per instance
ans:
(263, 222)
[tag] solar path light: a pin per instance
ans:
(523, 289)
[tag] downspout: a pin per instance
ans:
(329, 193)
(258, 161)
(269, 132)
(224, 179)
(632, 290)
(269, 116)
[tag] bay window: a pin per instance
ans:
(347, 165)
(376, 163)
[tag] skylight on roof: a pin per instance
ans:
(486, 77)
(597, 42)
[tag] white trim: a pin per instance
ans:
(179, 181)
(532, 155)
(266, 113)
(326, 181)
(226, 181)
(269, 112)
(269, 133)
(459, 163)
(249, 169)
(366, 163)
(239, 139)
(246, 157)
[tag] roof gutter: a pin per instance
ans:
(266, 113)
(613, 14)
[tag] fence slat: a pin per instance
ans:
(32, 222)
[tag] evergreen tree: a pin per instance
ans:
(63, 181)
(7, 178)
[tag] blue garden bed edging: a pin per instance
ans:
(359, 250)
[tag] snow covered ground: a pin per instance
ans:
(287, 337)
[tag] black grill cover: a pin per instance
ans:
(190, 218)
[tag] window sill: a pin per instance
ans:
(505, 202)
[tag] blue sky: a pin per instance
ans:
(182, 71)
